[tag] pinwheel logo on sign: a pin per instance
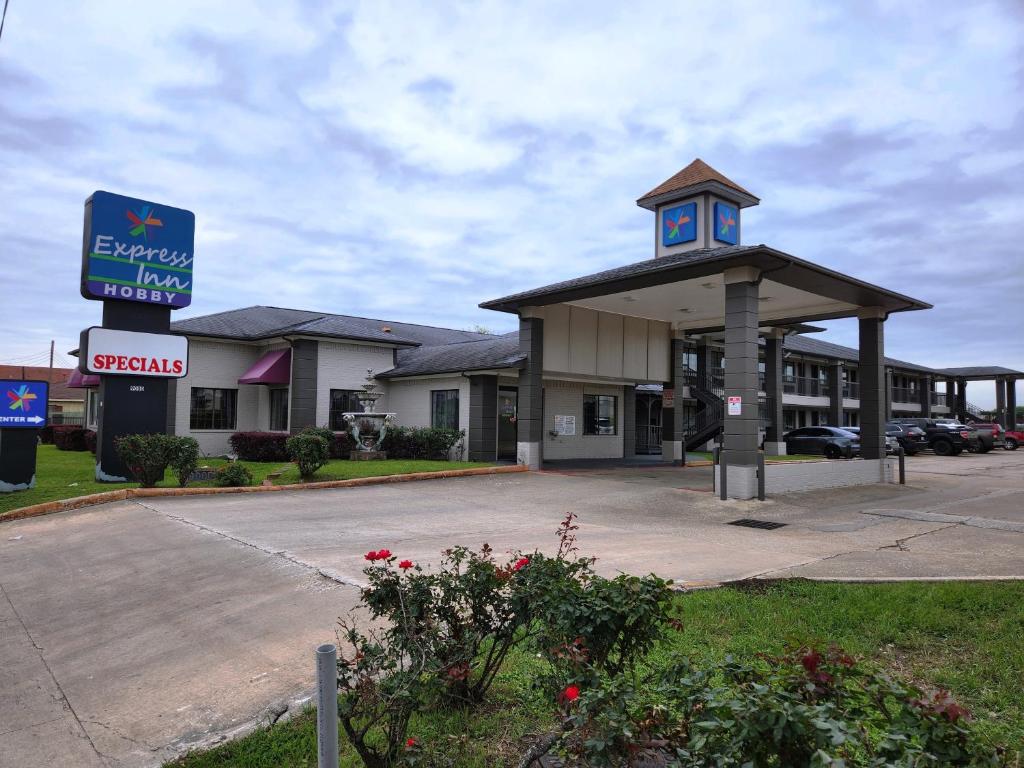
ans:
(142, 219)
(679, 224)
(20, 398)
(725, 223)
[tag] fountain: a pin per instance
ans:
(369, 427)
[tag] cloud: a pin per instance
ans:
(457, 152)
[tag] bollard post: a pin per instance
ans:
(760, 475)
(722, 475)
(903, 466)
(327, 706)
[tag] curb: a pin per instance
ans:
(78, 502)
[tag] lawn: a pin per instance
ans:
(963, 636)
(64, 474)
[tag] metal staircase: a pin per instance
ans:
(709, 390)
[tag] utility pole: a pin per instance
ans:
(49, 374)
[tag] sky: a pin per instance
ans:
(407, 161)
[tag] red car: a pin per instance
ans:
(1013, 439)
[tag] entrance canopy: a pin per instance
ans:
(978, 373)
(275, 367)
(686, 290)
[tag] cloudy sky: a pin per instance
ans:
(406, 162)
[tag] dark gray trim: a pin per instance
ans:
(835, 393)
(172, 406)
(773, 389)
(629, 422)
(530, 418)
(741, 374)
(483, 418)
(924, 394)
(872, 377)
(1011, 402)
(305, 354)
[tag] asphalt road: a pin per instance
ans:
(132, 630)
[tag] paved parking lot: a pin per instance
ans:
(130, 630)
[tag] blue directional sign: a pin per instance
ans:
(135, 250)
(23, 404)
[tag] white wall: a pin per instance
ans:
(409, 400)
(218, 365)
(565, 398)
(343, 366)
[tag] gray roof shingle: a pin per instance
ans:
(979, 370)
(485, 354)
(253, 323)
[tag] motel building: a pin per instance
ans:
(708, 339)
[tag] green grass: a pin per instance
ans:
(65, 474)
(963, 636)
(343, 469)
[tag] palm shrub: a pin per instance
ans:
(309, 452)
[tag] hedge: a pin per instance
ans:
(69, 438)
(90, 440)
(421, 442)
(270, 446)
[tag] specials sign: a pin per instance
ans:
(128, 353)
(134, 250)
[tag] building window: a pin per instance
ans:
(213, 408)
(342, 401)
(279, 410)
(92, 398)
(444, 408)
(788, 419)
(599, 415)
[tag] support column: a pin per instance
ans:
(1011, 403)
(888, 393)
(530, 418)
(835, 394)
(629, 421)
(672, 437)
(483, 418)
(1001, 402)
(961, 399)
(741, 381)
(950, 396)
(305, 356)
(872, 382)
(924, 392)
(773, 443)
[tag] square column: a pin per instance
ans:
(873, 379)
(483, 418)
(530, 417)
(628, 422)
(888, 393)
(672, 432)
(835, 394)
(961, 399)
(1001, 402)
(950, 395)
(1011, 403)
(773, 443)
(925, 394)
(740, 446)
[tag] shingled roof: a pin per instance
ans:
(696, 174)
(256, 323)
(486, 354)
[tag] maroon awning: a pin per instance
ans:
(78, 380)
(275, 367)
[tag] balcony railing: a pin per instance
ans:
(851, 390)
(904, 395)
(648, 438)
(803, 385)
(938, 398)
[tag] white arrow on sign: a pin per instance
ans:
(35, 419)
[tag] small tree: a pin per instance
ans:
(146, 456)
(309, 452)
(183, 458)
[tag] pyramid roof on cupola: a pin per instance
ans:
(698, 176)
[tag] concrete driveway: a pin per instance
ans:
(131, 630)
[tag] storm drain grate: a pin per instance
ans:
(764, 525)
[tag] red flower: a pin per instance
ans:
(811, 660)
(371, 556)
(405, 564)
(521, 563)
(570, 694)
(384, 554)
(410, 743)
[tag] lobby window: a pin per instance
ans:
(213, 408)
(444, 408)
(342, 401)
(279, 410)
(599, 416)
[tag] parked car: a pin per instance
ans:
(891, 442)
(1012, 439)
(832, 442)
(945, 437)
(990, 434)
(913, 439)
(983, 442)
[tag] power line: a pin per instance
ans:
(3, 19)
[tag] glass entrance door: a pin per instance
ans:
(508, 405)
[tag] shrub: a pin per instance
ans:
(146, 456)
(90, 440)
(182, 457)
(260, 446)
(233, 474)
(342, 445)
(420, 442)
(46, 435)
(309, 452)
(69, 438)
